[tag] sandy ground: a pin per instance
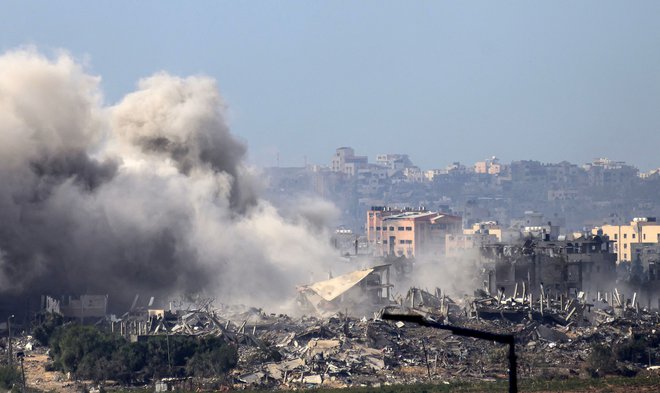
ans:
(37, 377)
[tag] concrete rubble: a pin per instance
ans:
(555, 337)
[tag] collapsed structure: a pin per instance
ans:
(559, 266)
(342, 342)
(362, 291)
(81, 307)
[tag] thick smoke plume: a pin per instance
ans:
(149, 196)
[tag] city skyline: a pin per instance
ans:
(372, 159)
(550, 82)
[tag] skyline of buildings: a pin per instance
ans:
(574, 196)
(345, 160)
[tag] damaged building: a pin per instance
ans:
(364, 290)
(76, 307)
(646, 258)
(560, 266)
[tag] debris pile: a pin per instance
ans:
(555, 337)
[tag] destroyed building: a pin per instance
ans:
(561, 266)
(78, 307)
(364, 290)
(646, 258)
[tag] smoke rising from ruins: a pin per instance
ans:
(149, 196)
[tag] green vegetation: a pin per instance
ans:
(9, 376)
(45, 329)
(636, 348)
(601, 361)
(90, 353)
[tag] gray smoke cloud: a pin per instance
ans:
(148, 196)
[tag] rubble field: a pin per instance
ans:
(559, 343)
(555, 339)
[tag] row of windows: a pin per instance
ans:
(625, 236)
(392, 228)
(400, 241)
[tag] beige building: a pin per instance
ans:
(490, 166)
(487, 232)
(640, 230)
(345, 161)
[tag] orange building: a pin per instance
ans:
(410, 233)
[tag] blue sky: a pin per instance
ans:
(441, 81)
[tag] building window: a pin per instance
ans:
(391, 228)
(625, 257)
(402, 242)
(625, 235)
(408, 228)
(384, 241)
(616, 236)
(644, 236)
(408, 241)
(400, 228)
(633, 235)
(625, 246)
(378, 228)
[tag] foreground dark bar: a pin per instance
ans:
(459, 331)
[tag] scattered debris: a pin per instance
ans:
(555, 336)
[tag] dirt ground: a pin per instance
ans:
(36, 376)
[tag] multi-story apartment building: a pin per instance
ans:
(491, 166)
(409, 232)
(640, 230)
(480, 233)
(605, 172)
(345, 161)
(394, 161)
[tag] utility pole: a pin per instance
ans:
(169, 358)
(21, 355)
(9, 352)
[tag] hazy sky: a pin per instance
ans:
(441, 81)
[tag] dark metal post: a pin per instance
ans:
(9, 346)
(21, 355)
(23, 374)
(460, 331)
(169, 358)
(513, 367)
